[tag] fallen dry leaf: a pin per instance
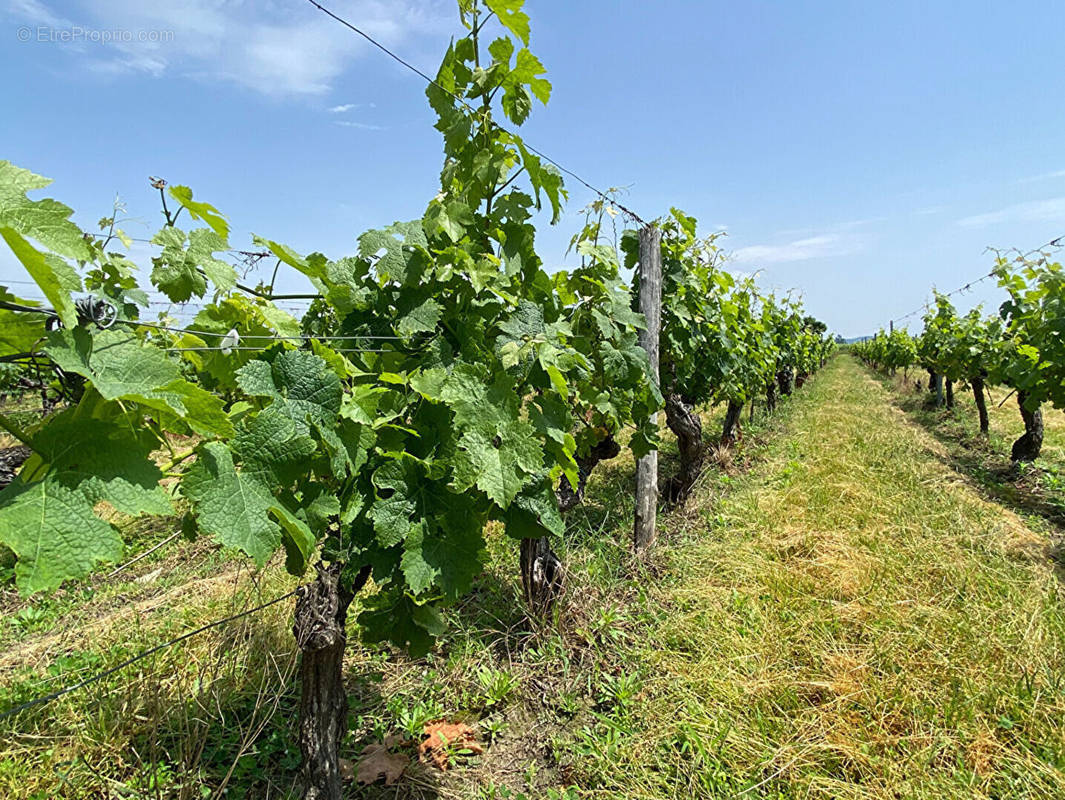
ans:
(377, 762)
(442, 736)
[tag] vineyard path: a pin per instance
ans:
(857, 621)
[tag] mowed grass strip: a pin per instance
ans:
(854, 621)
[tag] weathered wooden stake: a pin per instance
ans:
(651, 306)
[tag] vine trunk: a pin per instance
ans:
(730, 431)
(684, 421)
(784, 381)
(541, 569)
(320, 631)
(771, 397)
(1027, 448)
(981, 404)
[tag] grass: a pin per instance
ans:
(1035, 490)
(167, 726)
(854, 621)
(837, 613)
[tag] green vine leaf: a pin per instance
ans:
(181, 273)
(201, 211)
(232, 506)
(396, 251)
(45, 221)
(421, 319)
(19, 332)
(446, 556)
(121, 367)
(272, 448)
(53, 531)
(297, 537)
(392, 512)
(104, 456)
(512, 17)
(534, 513)
(300, 384)
(55, 278)
(499, 460)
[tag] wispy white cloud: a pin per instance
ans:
(364, 126)
(344, 108)
(37, 12)
(825, 245)
(1046, 176)
(1052, 210)
(275, 48)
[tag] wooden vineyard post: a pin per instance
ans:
(651, 306)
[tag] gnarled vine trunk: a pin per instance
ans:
(730, 431)
(320, 631)
(771, 397)
(935, 387)
(981, 403)
(800, 380)
(784, 381)
(541, 575)
(950, 393)
(541, 568)
(1027, 448)
(688, 428)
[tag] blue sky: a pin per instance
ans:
(860, 152)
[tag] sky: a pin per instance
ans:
(859, 153)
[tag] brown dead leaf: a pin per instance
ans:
(441, 737)
(377, 762)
